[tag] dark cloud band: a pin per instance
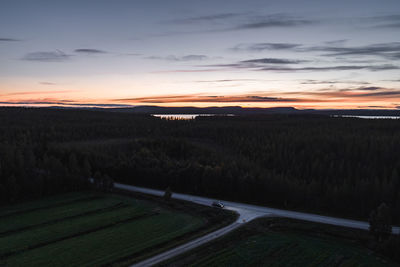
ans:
(52, 56)
(89, 51)
(9, 40)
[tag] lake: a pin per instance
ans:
(193, 116)
(186, 116)
(368, 117)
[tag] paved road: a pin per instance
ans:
(249, 212)
(246, 213)
(186, 247)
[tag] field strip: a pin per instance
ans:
(163, 245)
(103, 247)
(96, 229)
(9, 232)
(31, 237)
(49, 206)
(45, 202)
(147, 243)
(187, 246)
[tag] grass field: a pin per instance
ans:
(281, 242)
(88, 229)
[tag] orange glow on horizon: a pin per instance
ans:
(331, 98)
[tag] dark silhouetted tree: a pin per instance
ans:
(380, 222)
(168, 194)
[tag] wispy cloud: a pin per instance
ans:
(211, 99)
(227, 80)
(282, 68)
(180, 58)
(332, 82)
(337, 42)
(371, 88)
(392, 80)
(259, 63)
(207, 18)
(259, 47)
(272, 61)
(64, 103)
(362, 89)
(275, 20)
(225, 22)
(387, 21)
(352, 94)
(89, 51)
(100, 105)
(47, 83)
(51, 56)
(333, 49)
(47, 92)
(374, 107)
(332, 68)
(280, 65)
(9, 40)
(130, 54)
(188, 70)
(31, 102)
(392, 93)
(386, 50)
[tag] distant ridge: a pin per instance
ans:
(235, 110)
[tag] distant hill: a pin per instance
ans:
(237, 110)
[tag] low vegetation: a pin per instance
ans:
(94, 229)
(285, 242)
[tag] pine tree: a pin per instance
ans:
(380, 224)
(168, 194)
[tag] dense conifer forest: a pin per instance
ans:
(340, 166)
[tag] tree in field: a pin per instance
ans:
(107, 183)
(102, 182)
(380, 223)
(168, 194)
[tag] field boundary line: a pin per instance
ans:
(51, 206)
(134, 218)
(10, 232)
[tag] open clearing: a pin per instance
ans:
(90, 229)
(284, 242)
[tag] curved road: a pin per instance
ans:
(246, 213)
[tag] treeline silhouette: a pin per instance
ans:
(339, 166)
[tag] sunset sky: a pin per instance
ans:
(253, 53)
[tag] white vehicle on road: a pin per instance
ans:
(218, 204)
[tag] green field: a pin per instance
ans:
(282, 242)
(89, 229)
